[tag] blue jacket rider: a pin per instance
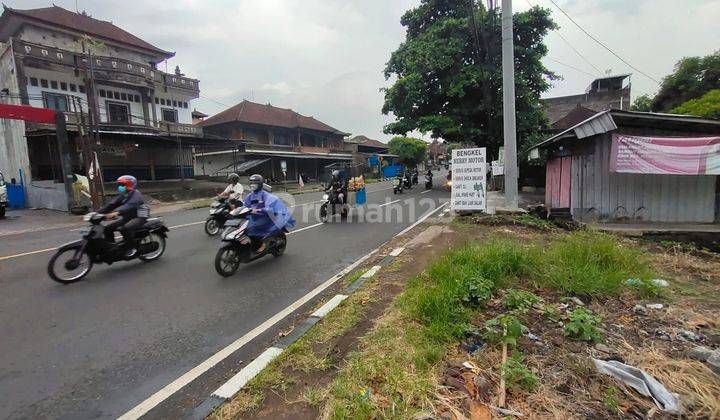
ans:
(268, 216)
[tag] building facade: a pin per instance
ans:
(278, 143)
(88, 68)
(585, 176)
(612, 92)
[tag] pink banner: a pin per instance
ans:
(665, 155)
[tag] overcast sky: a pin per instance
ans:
(325, 58)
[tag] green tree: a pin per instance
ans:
(410, 151)
(449, 81)
(707, 105)
(691, 79)
(642, 103)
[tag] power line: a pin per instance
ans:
(572, 47)
(603, 45)
(213, 100)
(572, 67)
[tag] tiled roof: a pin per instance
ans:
(366, 141)
(84, 23)
(254, 113)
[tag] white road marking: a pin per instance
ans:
(186, 225)
(426, 191)
(388, 203)
(234, 384)
(305, 204)
(171, 388)
(329, 306)
(371, 272)
(397, 251)
(422, 219)
(305, 228)
(7, 257)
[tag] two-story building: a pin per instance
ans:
(279, 143)
(85, 67)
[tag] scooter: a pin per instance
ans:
(237, 247)
(407, 182)
(219, 214)
(73, 261)
(428, 182)
(333, 202)
(398, 185)
(415, 176)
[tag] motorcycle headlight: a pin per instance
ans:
(325, 196)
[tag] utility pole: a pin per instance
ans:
(97, 189)
(510, 143)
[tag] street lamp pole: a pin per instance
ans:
(509, 131)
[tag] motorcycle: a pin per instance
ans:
(448, 184)
(333, 200)
(407, 183)
(428, 182)
(219, 214)
(237, 247)
(415, 176)
(398, 185)
(73, 261)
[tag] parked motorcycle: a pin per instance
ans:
(73, 261)
(219, 214)
(415, 176)
(333, 203)
(428, 182)
(398, 185)
(237, 247)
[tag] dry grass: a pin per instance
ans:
(697, 385)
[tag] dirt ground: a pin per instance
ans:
(657, 340)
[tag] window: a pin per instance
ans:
(43, 83)
(169, 115)
(157, 101)
(175, 103)
(123, 96)
(73, 88)
(33, 81)
(137, 98)
(81, 88)
(55, 101)
(185, 105)
(63, 86)
(118, 113)
(53, 84)
(116, 95)
(101, 92)
(162, 101)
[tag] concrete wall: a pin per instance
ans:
(46, 195)
(598, 194)
(13, 146)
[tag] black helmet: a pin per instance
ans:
(256, 182)
(233, 178)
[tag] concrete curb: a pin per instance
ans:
(235, 384)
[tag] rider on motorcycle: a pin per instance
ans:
(268, 214)
(123, 209)
(233, 191)
(338, 186)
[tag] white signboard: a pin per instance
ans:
(468, 179)
(497, 168)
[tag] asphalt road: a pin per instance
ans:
(97, 348)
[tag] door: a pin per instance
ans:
(118, 113)
(557, 182)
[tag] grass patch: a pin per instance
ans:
(313, 396)
(354, 276)
(592, 264)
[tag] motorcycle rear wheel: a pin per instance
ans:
(212, 227)
(280, 247)
(71, 265)
(324, 213)
(227, 260)
(153, 237)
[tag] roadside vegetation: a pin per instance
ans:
(551, 303)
